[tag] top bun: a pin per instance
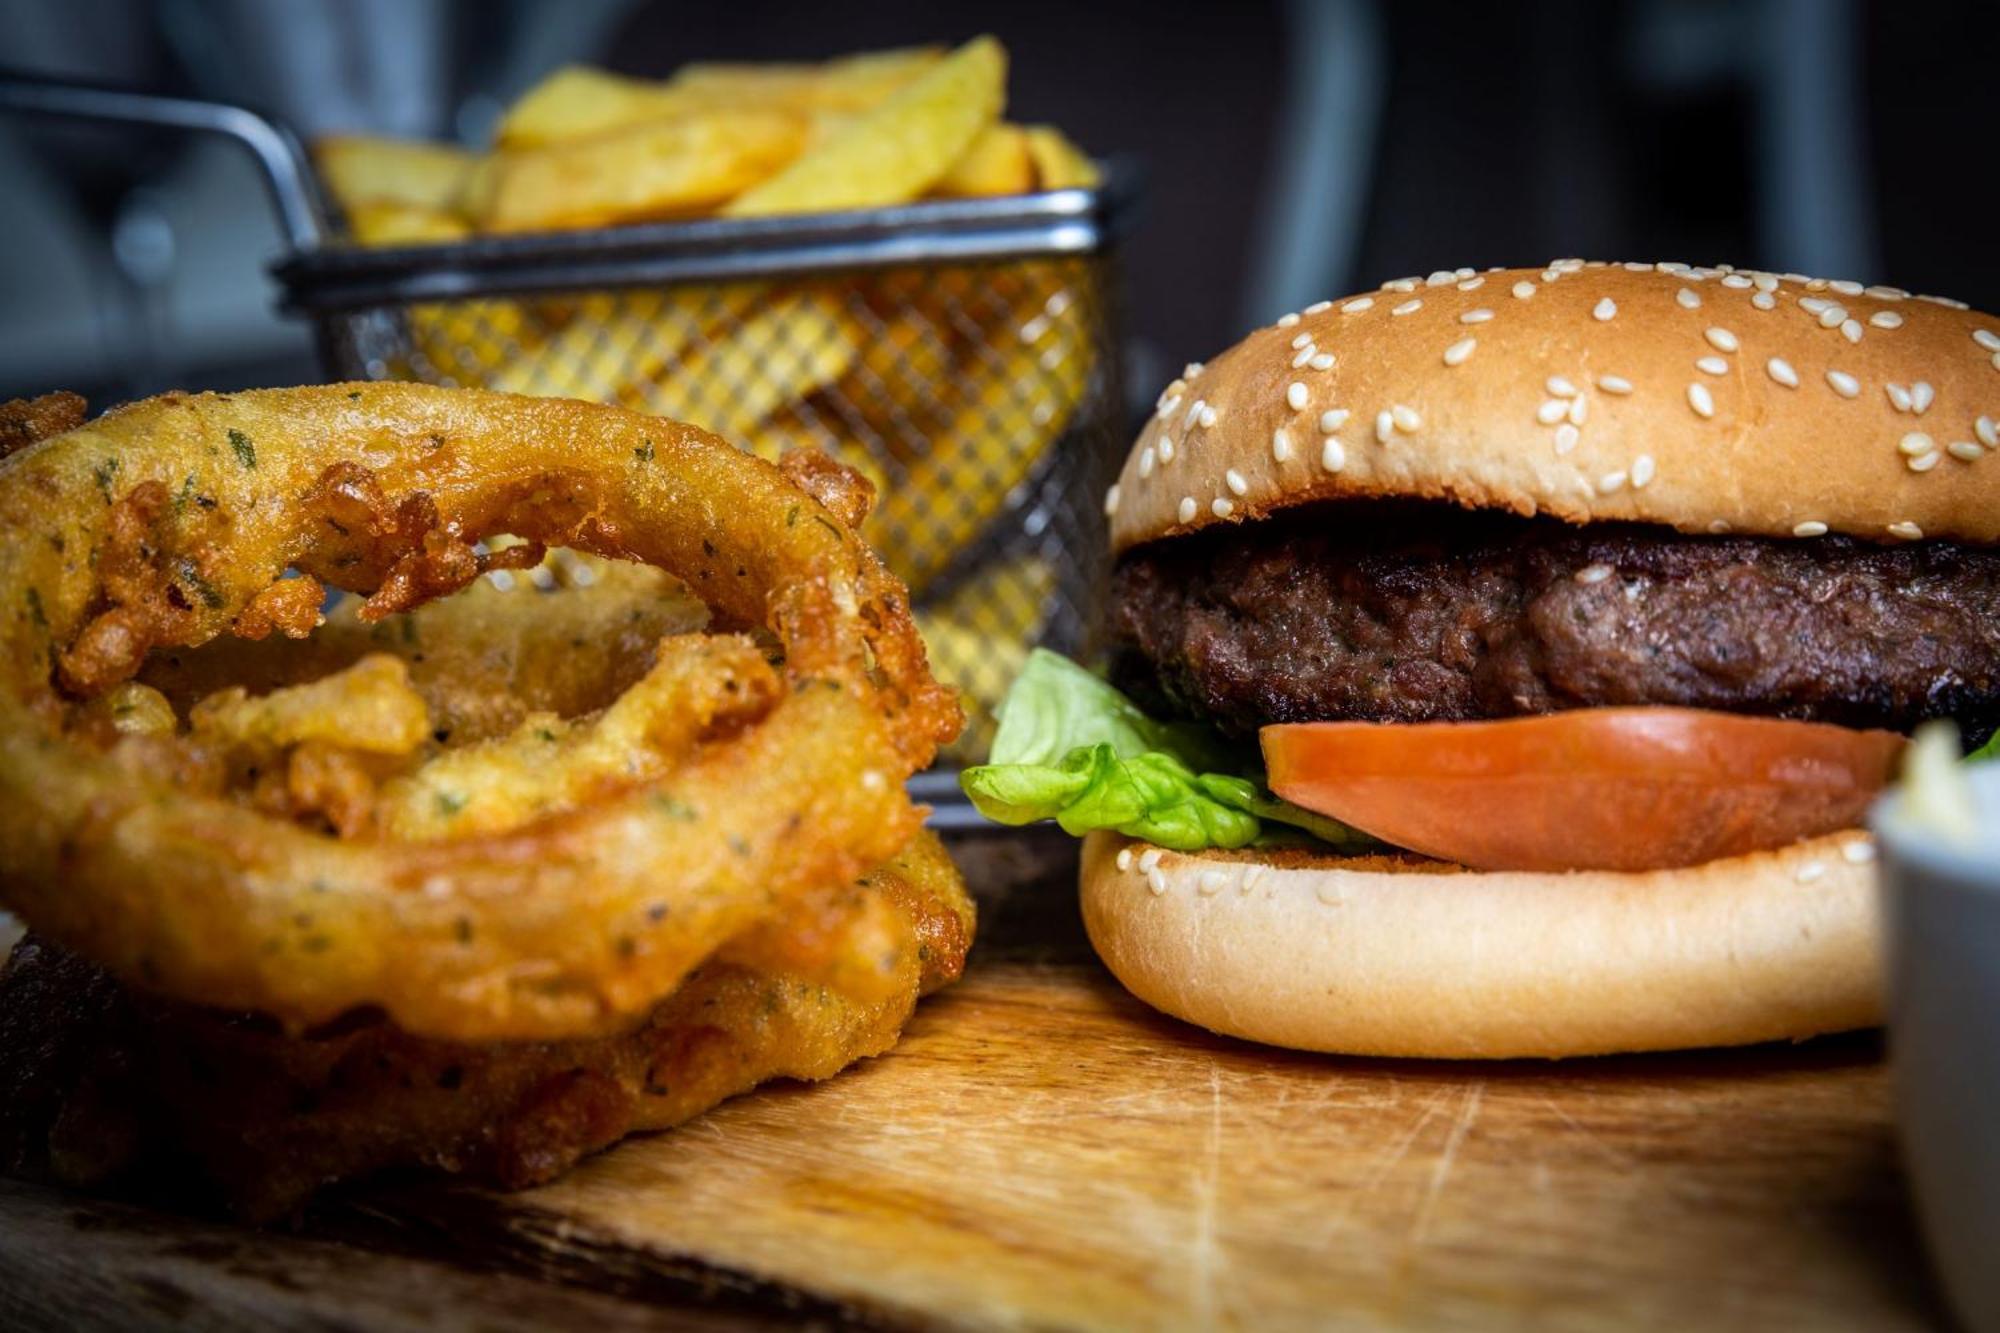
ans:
(1706, 399)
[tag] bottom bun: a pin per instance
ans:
(1400, 956)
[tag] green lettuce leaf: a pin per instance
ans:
(1990, 750)
(1074, 749)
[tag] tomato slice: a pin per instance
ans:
(1595, 789)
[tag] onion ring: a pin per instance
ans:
(160, 524)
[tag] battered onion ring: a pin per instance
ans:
(567, 927)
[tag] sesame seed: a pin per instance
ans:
(1701, 400)
(1566, 437)
(1844, 384)
(1124, 858)
(1899, 397)
(1924, 462)
(1850, 329)
(1408, 307)
(1328, 892)
(1332, 456)
(1736, 280)
(1718, 526)
(1333, 419)
(1722, 340)
(1965, 451)
(1566, 265)
(1590, 574)
(1781, 370)
(1766, 282)
(1400, 285)
(1714, 365)
(1671, 266)
(1915, 443)
(1561, 386)
(1887, 293)
(1763, 300)
(1987, 431)
(1609, 482)
(1810, 871)
(1211, 882)
(1166, 449)
(1193, 412)
(1523, 290)
(1146, 461)
(1996, 360)
(1190, 370)
(1642, 471)
(1579, 408)
(1221, 507)
(1149, 859)
(1604, 309)
(1187, 509)
(1157, 882)
(1886, 319)
(1812, 527)
(1321, 361)
(1318, 307)
(1303, 340)
(1357, 305)
(1168, 405)
(1406, 419)
(1281, 445)
(1845, 287)
(1832, 316)
(1207, 415)
(1552, 411)
(1296, 396)
(1814, 284)
(1385, 426)
(1251, 878)
(1987, 338)
(1479, 316)
(1111, 500)
(1858, 852)
(1456, 354)
(1617, 384)
(1922, 395)
(1305, 355)
(1634, 266)
(1286, 321)
(1688, 298)
(1472, 284)
(1234, 481)
(1443, 277)
(1814, 305)
(1907, 531)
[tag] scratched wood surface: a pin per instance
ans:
(1042, 1151)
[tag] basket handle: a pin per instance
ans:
(287, 172)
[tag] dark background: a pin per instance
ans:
(1292, 150)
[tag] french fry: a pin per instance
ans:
(362, 169)
(997, 162)
(773, 356)
(978, 638)
(1059, 163)
(579, 101)
(376, 223)
(1021, 388)
(619, 340)
(653, 170)
(850, 83)
(900, 149)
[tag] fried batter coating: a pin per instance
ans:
(96, 1080)
(23, 421)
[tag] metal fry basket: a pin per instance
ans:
(962, 354)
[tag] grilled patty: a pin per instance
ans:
(1417, 613)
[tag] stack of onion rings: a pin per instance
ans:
(178, 520)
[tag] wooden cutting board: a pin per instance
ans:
(1043, 1151)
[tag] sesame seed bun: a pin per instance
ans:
(1397, 956)
(1703, 399)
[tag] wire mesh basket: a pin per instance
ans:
(958, 354)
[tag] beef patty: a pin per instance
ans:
(1412, 613)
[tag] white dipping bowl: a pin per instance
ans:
(1941, 920)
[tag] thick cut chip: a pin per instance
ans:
(898, 151)
(360, 169)
(1059, 163)
(997, 162)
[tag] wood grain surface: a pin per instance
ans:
(1043, 1151)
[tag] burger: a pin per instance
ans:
(1500, 663)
